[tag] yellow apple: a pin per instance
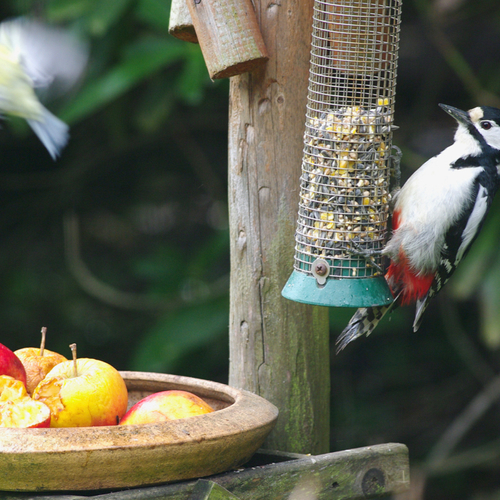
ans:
(38, 362)
(24, 413)
(166, 405)
(11, 389)
(37, 365)
(17, 409)
(11, 365)
(83, 392)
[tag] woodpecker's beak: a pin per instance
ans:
(458, 114)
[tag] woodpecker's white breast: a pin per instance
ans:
(429, 203)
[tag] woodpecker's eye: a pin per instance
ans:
(485, 125)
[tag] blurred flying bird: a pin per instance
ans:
(36, 56)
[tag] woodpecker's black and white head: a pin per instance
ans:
(478, 128)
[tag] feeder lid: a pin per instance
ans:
(338, 292)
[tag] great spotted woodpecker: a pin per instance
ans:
(437, 215)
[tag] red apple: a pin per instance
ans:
(84, 392)
(166, 405)
(11, 365)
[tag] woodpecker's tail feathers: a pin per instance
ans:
(52, 131)
(421, 306)
(362, 323)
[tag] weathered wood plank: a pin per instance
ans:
(279, 349)
(361, 473)
(208, 490)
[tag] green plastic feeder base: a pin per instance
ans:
(337, 292)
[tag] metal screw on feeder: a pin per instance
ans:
(347, 161)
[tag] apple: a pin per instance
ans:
(166, 405)
(11, 389)
(17, 409)
(38, 362)
(11, 365)
(24, 413)
(83, 392)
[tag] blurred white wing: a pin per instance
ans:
(50, 56)
(33, 55)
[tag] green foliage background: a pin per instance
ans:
(122, 245)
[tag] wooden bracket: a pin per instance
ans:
(180, 23)
(229, 36)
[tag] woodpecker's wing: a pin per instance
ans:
(458, 240)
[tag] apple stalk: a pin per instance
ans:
(42, 343)
(75, 366)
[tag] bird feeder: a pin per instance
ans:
(347, 157)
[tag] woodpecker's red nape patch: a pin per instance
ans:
(402, 278)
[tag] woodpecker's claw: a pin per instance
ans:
(367, 254)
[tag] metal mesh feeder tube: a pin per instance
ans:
(347, 157)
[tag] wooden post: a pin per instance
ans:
(278, 348)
